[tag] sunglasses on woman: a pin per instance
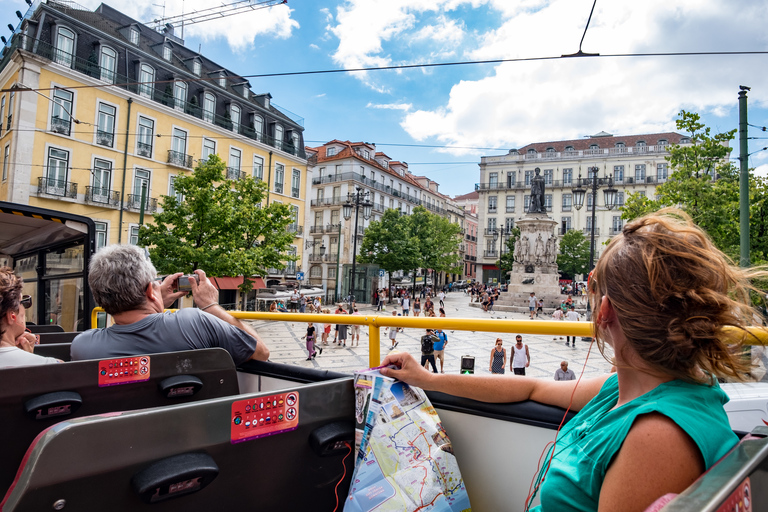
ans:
(26, 301)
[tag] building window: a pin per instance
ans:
(528, 177)
(511, 179)
(178, 154)
(133, 35)
(105, 128)
(167, 53)
(510, 204)
(661, 172)
(6, 156)
(65, 46)
(2, 114)
(179, 95)
(663, 142)
(565, 225)
(258, 127)
(548, 177)
(640, 172)
(567, 202)
(316, 271)
(56, 175)
(108, 64)
(616, 225)
(102, 181)
(618, 173)
(101, 234)
(223, 80)
(548, 202)
(10, 111)
(209, 148)
(509, 224)
(491, 224)
(296, 183)
(331, 151)
(234, 113)
(295, 139)
(146, 79)
(619, 198)
(233, 172)
(145, 139)
(493, 180)
(526, 202)
(331, 272)
(172, 189)
(133, 235)
(567, 176)
(197, 67)
(590, 198)
(492, 204)
(61, 121)
(568, 149)
(258, 168)
(278, 136)
(279, 177)
(209, 107)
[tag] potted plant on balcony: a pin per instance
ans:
(193, 108)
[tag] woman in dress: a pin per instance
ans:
(662, 295)
(416, 306)
(498, 358)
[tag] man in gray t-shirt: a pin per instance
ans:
(124, 283)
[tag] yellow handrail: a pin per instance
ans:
(754, 336)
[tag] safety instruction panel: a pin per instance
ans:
(123, 370)
(264, 416)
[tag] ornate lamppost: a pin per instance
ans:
(579, 192)
(356, 200)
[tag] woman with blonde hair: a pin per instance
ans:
(661, 295)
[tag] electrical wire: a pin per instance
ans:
(336, 489)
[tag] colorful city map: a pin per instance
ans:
(405, 460)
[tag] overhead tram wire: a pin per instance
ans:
(427, 65)
(220, 11)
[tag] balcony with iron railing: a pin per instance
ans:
(492, 209)
(54, 187)
(327, 201)
(233, 173)
(491, 231)
(331, 258)
(134, 203)
(490, 254)
(278, 187)
(294, 192)
(179, 159)
(101, 195)
(332, 228)
(296, 229)
(60, 125)
(156, 92)
(315, 257)
(315, 229)
(144, 150)
(588, 231)
(614, 231)
(105, 138)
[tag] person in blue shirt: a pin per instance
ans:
(661, 294)
(440, 347)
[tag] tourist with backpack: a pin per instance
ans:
(428, 350)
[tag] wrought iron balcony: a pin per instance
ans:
(278, 188)
(101, 195)
(179, 159)
(294, 192)
(105, 138)
(62, 126)
(296, 229)
(53, 187)
(588, 231)
(144, 149)
(331, 258)
(315, 229)
(234, 173)
(314, 258)
(134, 203)
(490, 254)
(332, 228)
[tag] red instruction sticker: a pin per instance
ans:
(264, 416)
(123, 370)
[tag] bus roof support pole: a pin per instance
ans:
(125, 164)
(743, 180)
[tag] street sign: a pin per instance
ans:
(299, 276)
(381, 273)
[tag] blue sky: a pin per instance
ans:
(489, 106)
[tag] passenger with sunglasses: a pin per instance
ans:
(16, 343)
(662, 295)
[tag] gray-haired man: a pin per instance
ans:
(124, 282)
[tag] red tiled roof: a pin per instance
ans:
(607, 141)
(472, 195)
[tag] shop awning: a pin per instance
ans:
(490, 267)
(231, 283)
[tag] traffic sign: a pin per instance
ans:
(299, 276)
(381, 273)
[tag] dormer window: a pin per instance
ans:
(531, 151)
(663, 142)
(569, 148)
(222, 80)
(266, 102)
(620, 145)
(641, 143)
(197, 67)
(550, 150)
(133, 35)
(167, 53)
(245, 92)
(330, 151)
(594, 146)
(234, 113)
(685, 140)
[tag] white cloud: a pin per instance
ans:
(314, 46)
(527, 102)
(761, 170)
(405, 107)
(319, 95)
(445, 31)
(240, 31)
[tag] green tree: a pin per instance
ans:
(388, 243)
(574, 254)
(438, 241)
(219, 226)
(506, 260)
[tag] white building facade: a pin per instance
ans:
(637, 164)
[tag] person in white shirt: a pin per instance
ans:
(441, 296)
(571, 316)
(406, 305)
(393, 332)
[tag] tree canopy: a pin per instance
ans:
(574, 254)
(218, 225)
(506, 260)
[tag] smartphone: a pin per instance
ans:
(182, 283)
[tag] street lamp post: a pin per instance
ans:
(495, 239)
(356, 200)
(578, 199)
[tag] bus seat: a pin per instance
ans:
(57, 350)
(37, 329)
(37, 397)
(182, 457)
(735, 482)
(57, 337)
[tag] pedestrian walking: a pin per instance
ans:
(355, 340)
(428, 350)
(498, 362)
(302, 303)
(405, 304)
(310, 337)
(441, 296)
(416, 306)
(393, 332)
(563, 373)
(293, 300)
(571, 316)
(521, 357)
(339, 311)
(532, 300)
(442, 341)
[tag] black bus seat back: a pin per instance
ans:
(93, 459)
(35, 387)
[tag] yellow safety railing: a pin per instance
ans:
(754, 336)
